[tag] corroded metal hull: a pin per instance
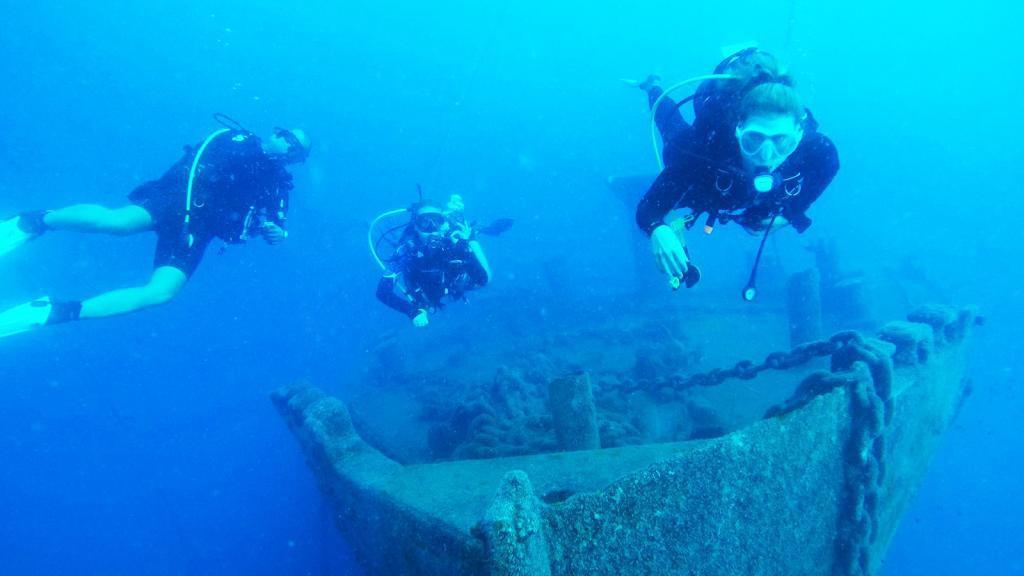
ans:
(817, 487)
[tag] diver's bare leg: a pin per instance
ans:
(93, 218)
(162, 287)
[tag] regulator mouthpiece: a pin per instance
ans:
(763, 181)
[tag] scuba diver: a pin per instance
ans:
(436, 255)
(231, 186)
(753, 155)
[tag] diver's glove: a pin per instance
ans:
(669, 254)
(420, 320)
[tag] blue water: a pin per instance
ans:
(146, 445)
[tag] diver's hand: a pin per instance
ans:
(420, 320)
(463, 231)
(455, 204)
(668, 252)
(273, 233)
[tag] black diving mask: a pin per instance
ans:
(296, 151)
(430, 223)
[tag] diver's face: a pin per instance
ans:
(289, 146)
(766, 141)
(431, 225)
(276, 146)
(437, 234)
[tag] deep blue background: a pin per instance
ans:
(146, 444)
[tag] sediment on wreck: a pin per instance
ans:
(817, 487)
(513, 530)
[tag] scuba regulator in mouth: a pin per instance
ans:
(763, 180)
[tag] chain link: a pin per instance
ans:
(747, 370)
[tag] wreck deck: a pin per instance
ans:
(816, 487)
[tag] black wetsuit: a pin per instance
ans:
(429, 272)
(236, 188)
(704, 172)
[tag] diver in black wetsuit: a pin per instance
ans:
(752, 156)
(231, 186)
(438, 256)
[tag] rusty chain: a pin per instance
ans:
(747, 370)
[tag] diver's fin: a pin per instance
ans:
(28, 316)
(631, 188)
(646, 84)
(497, 228)
(12, 236)
(730, 49)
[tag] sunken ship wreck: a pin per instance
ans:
(542, 475)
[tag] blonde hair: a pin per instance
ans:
(771, 98)
(767, 87)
